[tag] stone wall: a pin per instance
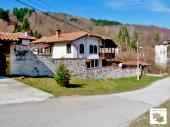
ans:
(24, 62)
(77, 67)
(109, 73)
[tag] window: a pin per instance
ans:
(96, 63)
(91, 49)
(40, 51)
(81, 49)
(95, 49)
(68, 48)
(92, 64)
(88, 65)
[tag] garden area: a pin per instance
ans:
(88, 87)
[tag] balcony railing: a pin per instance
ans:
(107, 55)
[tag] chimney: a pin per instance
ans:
(26, 34)
(58, 32)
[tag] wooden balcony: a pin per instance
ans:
(107, 55)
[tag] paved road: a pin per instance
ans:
(86, 111)
(12, 91)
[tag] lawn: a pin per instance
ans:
(88, 87)
(143, 120)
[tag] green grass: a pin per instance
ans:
(88, 87)
(143, 120)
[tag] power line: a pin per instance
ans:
(37, 4)
(47, 4)
(54, 8)
(51, 16)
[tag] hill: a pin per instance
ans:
(46, 26)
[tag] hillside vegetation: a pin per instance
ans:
(39, 25)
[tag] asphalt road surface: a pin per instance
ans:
(115, 110)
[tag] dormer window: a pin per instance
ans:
(68, 48)
(81, 49)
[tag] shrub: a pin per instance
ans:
(36, 34)
(62, 75)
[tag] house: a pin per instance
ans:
(161, 54)
(6, 40)
(24, 38)
(94, 48)
(86, 55)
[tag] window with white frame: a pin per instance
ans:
(92, 49)
(93, 64)
(68, 48)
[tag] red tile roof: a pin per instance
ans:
(66, 37)
(42, 46)
(24, 36)
(134, 63)
(8, 37)
(14, 36)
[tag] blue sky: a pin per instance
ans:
(147, 12)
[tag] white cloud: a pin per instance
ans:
(159, 7)
(151, 5)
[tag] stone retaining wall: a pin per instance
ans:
(110, 73)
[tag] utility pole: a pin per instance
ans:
(138, 61)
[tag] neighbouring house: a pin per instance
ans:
(6, 40)
(133, 64)
(24, 38)
(98, 50)
(161, 54)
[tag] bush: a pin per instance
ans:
(62, 75)
(36, 34)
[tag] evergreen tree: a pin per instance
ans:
(158, 38)
(20, 13)
(62, 76)
(18, 28)
(4, 14)
(134, 40)
(123, 38)
(25, 25)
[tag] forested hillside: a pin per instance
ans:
(38, 24)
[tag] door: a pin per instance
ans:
(7, 54)
(2, 61)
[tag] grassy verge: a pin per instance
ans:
(143, 120)
(89, 87)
